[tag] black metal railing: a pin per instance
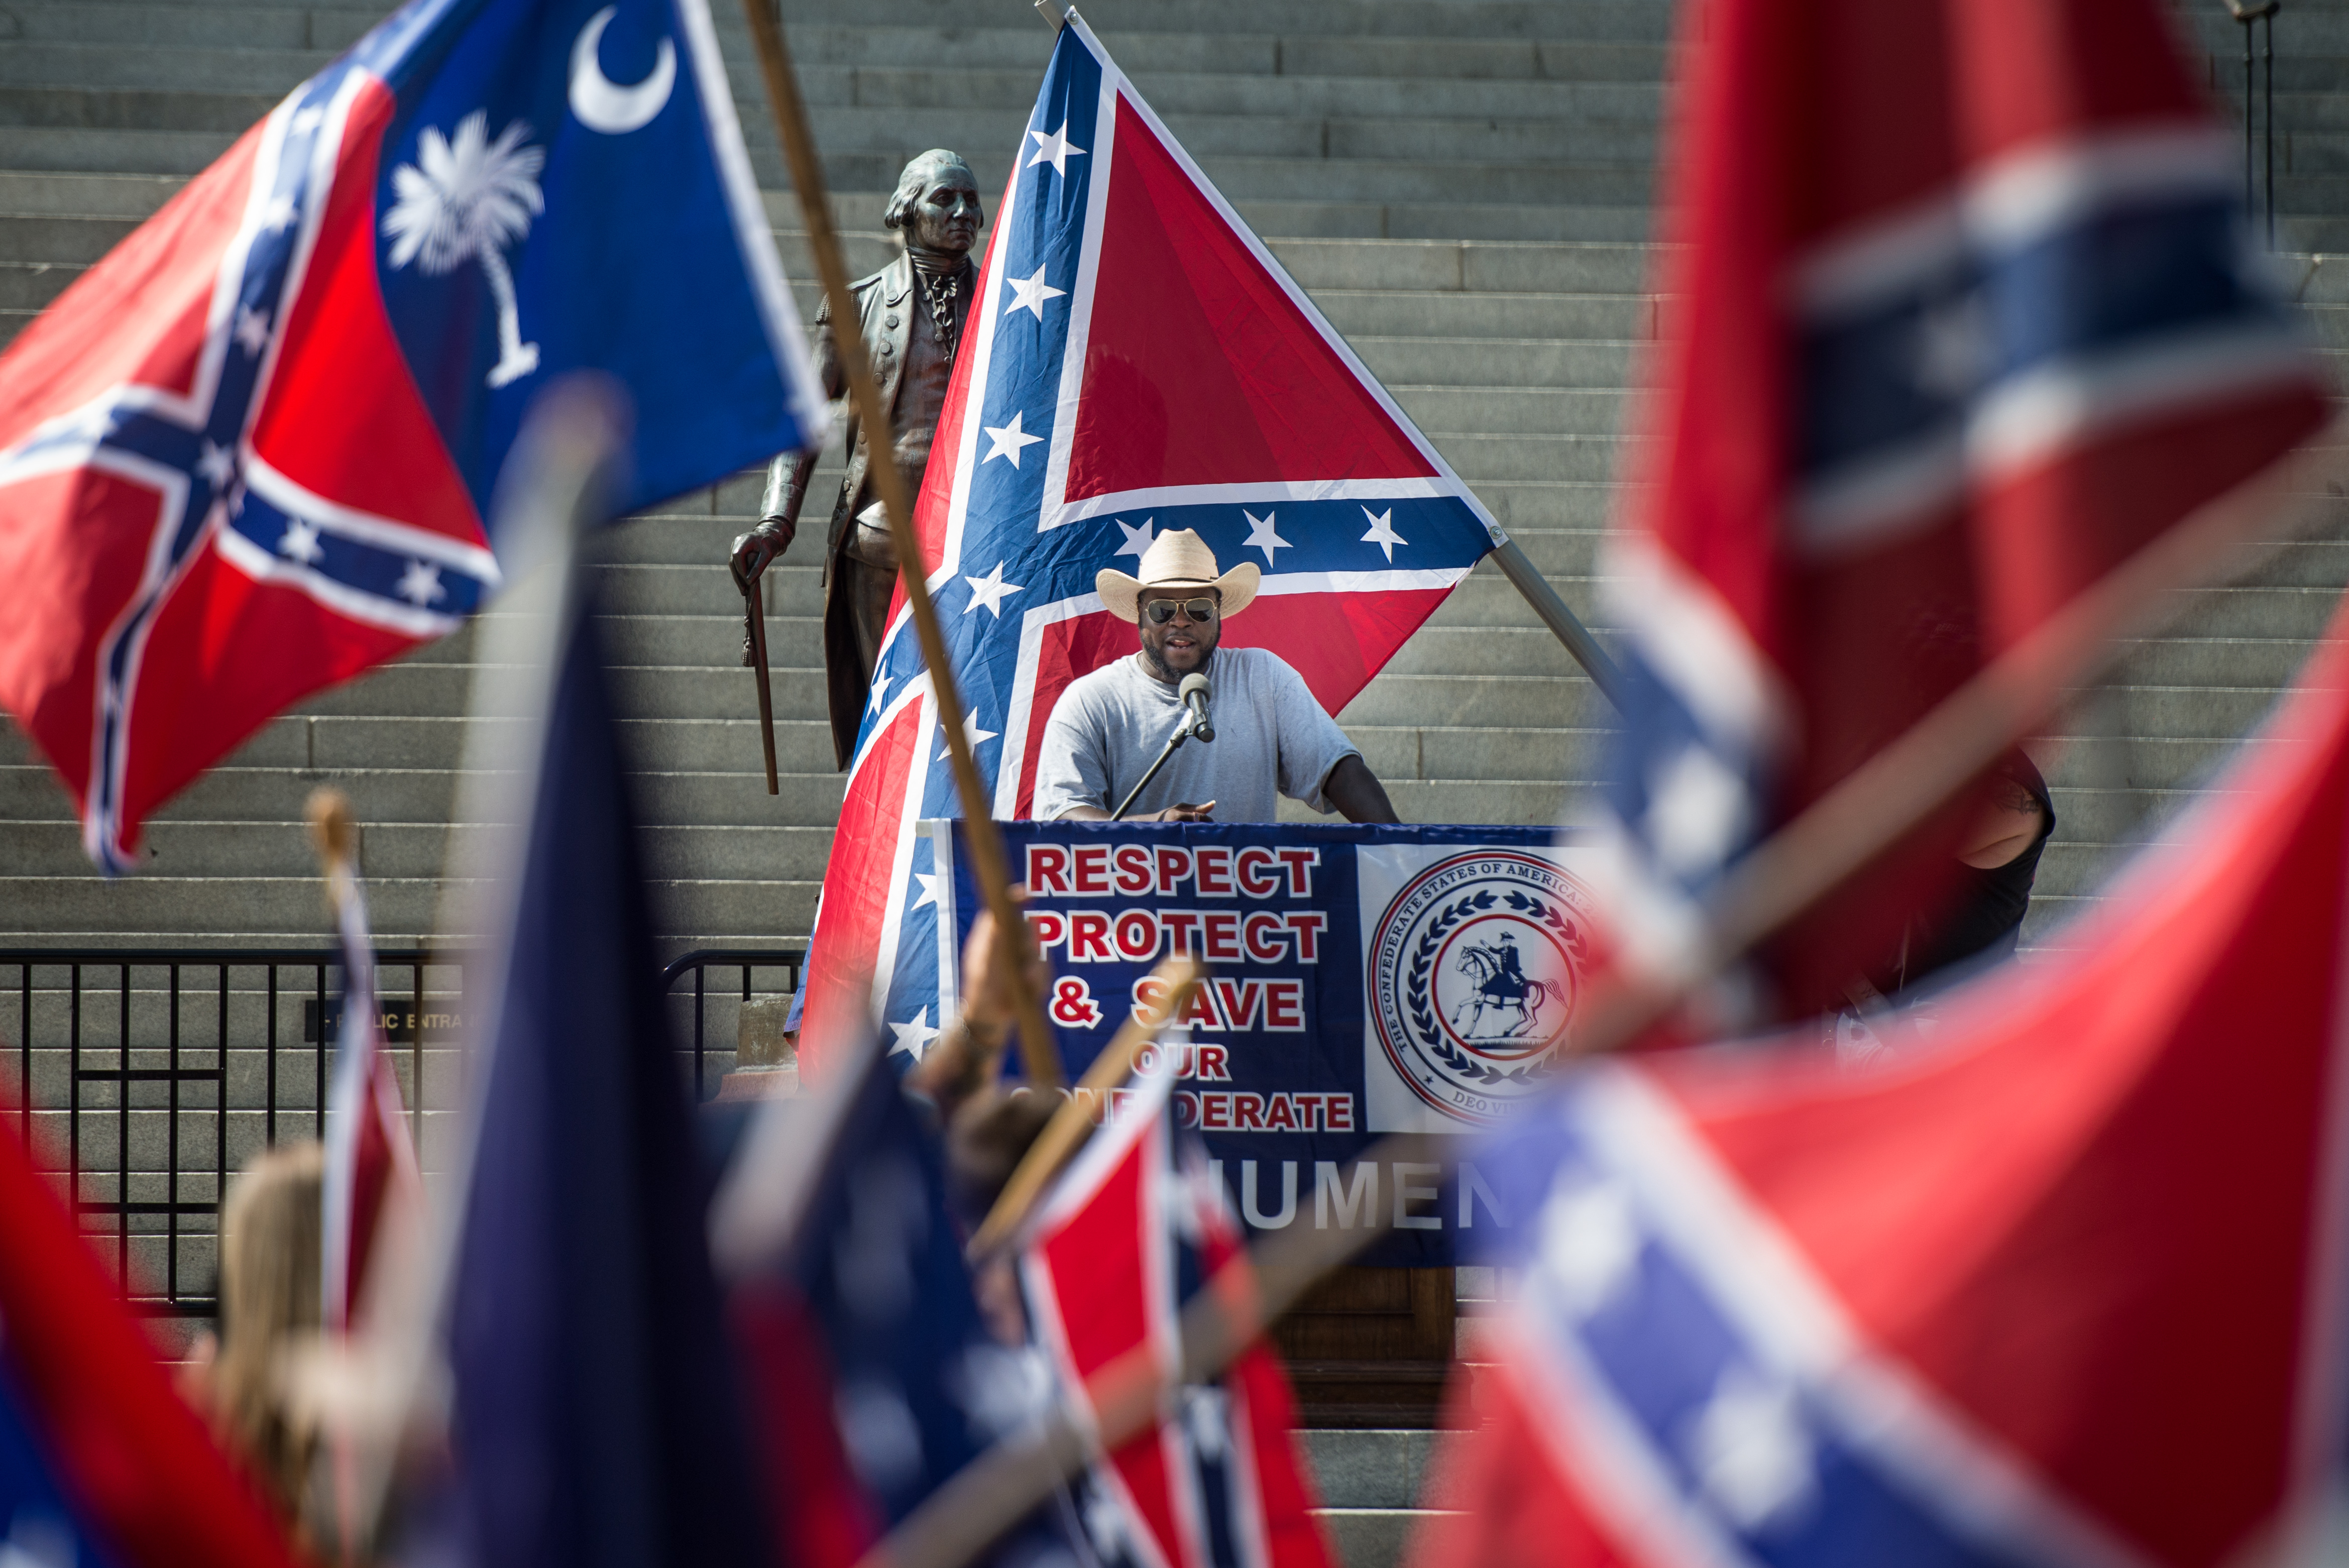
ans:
(747, 961)
(157, 1072)
(2258, 121)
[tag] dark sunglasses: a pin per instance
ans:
(1161, 611)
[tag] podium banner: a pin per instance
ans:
(1361, 981)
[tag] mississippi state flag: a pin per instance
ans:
(1966, 311)
(2065, 1287)
(1138, 362)
(101, 1462)
(249, 454)
(1135, 1229)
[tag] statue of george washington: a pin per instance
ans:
(912, 312)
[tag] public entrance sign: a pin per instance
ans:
(1361, 981)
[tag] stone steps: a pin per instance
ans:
(1462, 185)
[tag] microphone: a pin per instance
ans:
(1195, 692)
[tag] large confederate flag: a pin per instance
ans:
(1966, 313)
(2065, 1287)
(1138, 362)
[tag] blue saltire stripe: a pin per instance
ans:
(2122, 279)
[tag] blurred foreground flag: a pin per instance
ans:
(1966, 312)
(875, 1374)
(373, 1187)
(2065, 1287)
(101, 1463)
(1132, 1231)
(597, 1415)
(249, 454)
(1137, 362)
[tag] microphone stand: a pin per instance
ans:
(1182, 733)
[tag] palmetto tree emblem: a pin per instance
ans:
(471, 198)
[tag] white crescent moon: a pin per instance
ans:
(601, 103)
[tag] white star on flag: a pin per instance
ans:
(309, 119)
(1010, 441)
(880, 687)
(1206, 1420)
(300, 541)
(929, 882)
(914, 1037)
(1750, 1451)
(971, 732)
(1954, 346)
(216, 463)
(251, 330)
(1382, 533)
(1590, 1244)
(1030, 294)
(1055, 150)
(990, 591)
(279, 214)
(1696, 810)
(1137, 539)
(1261, 536)
(421, 585)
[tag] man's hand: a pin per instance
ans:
(969, 1056)
(757, 550)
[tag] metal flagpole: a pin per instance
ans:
(1037, 1053)
(1602, 670)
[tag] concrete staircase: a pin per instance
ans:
(1461, 183)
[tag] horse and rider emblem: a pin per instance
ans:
(1474, 971)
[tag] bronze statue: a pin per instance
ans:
(913, 312)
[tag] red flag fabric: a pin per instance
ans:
(2065, 1286)
(100, 1460)
(1127, 1237)
(1964, 311)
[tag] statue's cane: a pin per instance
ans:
(754, 616)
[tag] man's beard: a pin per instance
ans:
(1164, 672)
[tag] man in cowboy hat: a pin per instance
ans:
(1272, 738)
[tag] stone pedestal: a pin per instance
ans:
(766, 1059)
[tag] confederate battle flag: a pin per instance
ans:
(1138, 363)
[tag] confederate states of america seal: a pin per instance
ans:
(1475, 972)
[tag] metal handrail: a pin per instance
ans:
(197, 972)
(699, 959)
(2249, 13)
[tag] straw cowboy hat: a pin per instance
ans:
(1177, 558)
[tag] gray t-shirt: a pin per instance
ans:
(1271, 739)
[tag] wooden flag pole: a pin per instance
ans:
(1039, 1056)
(1178, 976)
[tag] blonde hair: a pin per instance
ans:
(269, 1289)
